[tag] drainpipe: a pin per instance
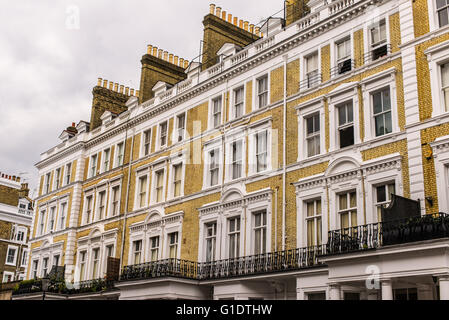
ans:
(284, 136)
(276, 191)
(127, 190)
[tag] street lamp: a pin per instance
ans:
(45, 284)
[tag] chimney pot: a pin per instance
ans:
(132, 92)
(121, 88)
(245, 25)
(155, 51)
(159, 54)
(166, 55)
(218, 12)
(127, 91)
(116, 87)
(105, 83)
(186, 64)
(99, 82)
(111, 85)
(223, 15)
(229, 18)
(235, 21)
(241, 23)
(170, 58)
(73, 124)
(251, 28)
(212, 8)
(176, 61)
(149, 49)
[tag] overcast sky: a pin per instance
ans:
(50, 59)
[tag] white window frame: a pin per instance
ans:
(314, 218)
(155, 170)
(25, 253)
(92, 209)
(437, 55)
(48, 267)
(252, 148)
(159, 135)
(230, 233)
(142, 151)
(16, 248)
(208, 147)
(212, 114)
(111, 200)
(304, 73)
(168, 245)
(231, 114)
(175, 134)
(82, 277)
(255, 228)
(93, 169)
(304, 111)
(151, 248)
(213, 238)
(47, 182)
(62, 213)
(95, 275)
(139, 176)
(25, 234)
(68, 173)
(57, 179)
(105, 160)
(97, 204)
(371, 85)
(53, 209)
(256, 92)
(117, 161)
(6, 274)
(41, 225)
(313, 135)
(171, 190)
(368, 46)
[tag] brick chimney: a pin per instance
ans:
(295, 10)
(24, 190)
(218, 30)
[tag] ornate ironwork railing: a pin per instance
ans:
(377, 53)
(375, 235)
(88, 286)
(288, 260)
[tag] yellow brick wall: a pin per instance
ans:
(41, 185)
(127, 156)
(292, 77)
(199, 113)
(395, 32)
(423, 76)
(326, 63)
(73, 175)
(427, 136)
(399, 146)
(170, 132)
(277, 85)
(153, 138)
(326, 123)
(249, 97)
(361, 114)
(358, 48)
(136, 146)
(420, 17)
(86, 167)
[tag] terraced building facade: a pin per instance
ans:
(261, 172)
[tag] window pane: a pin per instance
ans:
(318, 207)
(344, 220)
(310, 209)
(386, 99)
(310, 233)
(319, 235)
(379, 122)
(349, 112)
(353, 200)
(343, 202)
(377, 102)
(441, 3)
(443, 17)
(346, 137)
(381, 196)
(310, 125)
(342, 115)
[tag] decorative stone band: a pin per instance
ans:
(258, 196)
(162, 221)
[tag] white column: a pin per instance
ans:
(300, 295)
(444, 287)
(387, 290)
(334, 292)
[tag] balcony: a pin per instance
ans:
(377, 53)
(342, 67)
(311, 80)
(377, 235)
(281, 261)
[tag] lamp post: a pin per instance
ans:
(45, 284)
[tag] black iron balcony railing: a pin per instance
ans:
(88, 286)
(342, 67)
(312, 79)
(377, 53)
(28, 286)
(287, 260)
(375, 235)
